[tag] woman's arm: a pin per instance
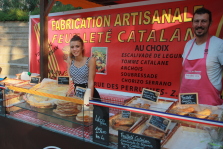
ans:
(68, 66)
(91, 75)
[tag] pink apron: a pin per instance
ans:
(195, 79)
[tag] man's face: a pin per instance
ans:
(201, 24)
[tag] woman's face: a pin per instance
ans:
(76, 48)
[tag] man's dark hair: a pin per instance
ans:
(203, 11)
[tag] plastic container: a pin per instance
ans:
(25, 76)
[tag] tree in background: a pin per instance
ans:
(19, 10)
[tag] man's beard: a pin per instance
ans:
(200, 35)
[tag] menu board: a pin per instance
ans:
(63, 80)
(34, 80)
(150, 95)
(101, 125)
(79, 92)
(126, 114)
(188, 98)
(127, 140)
(160, 123)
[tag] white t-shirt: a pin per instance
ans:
(214, 62)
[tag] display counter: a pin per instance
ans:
(134, 123)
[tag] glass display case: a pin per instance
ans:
(116, 124)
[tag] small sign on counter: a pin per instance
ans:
(126, 114)
(128, 140)
(34, 80)
(160, 123)
(63, 80)
(101, 125)
(150, 95)
(79, 92)
(188, 98)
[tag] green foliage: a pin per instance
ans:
(19, 10)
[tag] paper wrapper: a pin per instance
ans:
(186, 137)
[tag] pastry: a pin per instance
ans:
(185, 111)
(154, 133)
(124, 128)
(145, 106)
(123, 121)
(138, 105)
(203, 114)
(66, 108)
(212, 116)
(85, 116)
(61, 113)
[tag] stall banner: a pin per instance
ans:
(135, 47)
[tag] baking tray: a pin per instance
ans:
(143, 126)
(161, 105)
(113, 134)
(214, 110)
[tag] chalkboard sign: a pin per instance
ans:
(34, 80)
(188, 98)
(150, 95)
(63, 80)
(79, 92)
(126, 114)
(101, 125)
(127, 140)
(2, 107)
(160, 123)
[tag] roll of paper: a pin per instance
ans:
(87, 96)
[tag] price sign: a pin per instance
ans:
(101, 125)
(150, 95)
(160, 123)
(63, 80)
(34, 80)
(2, 108)
(188, 98)
(79, 92)
(127, 140)
(126, 114)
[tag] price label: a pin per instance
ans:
(63, 80)
(79, 92)
(34, 80)
(150, 95)
(101, 125)
(126, 114)
(160, 123)
(188, 98)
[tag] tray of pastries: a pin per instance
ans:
(12, 82)
(116, 123)
(199, 111)
(47, 86)
(66, 108)
(161, 105)
(148, 130)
